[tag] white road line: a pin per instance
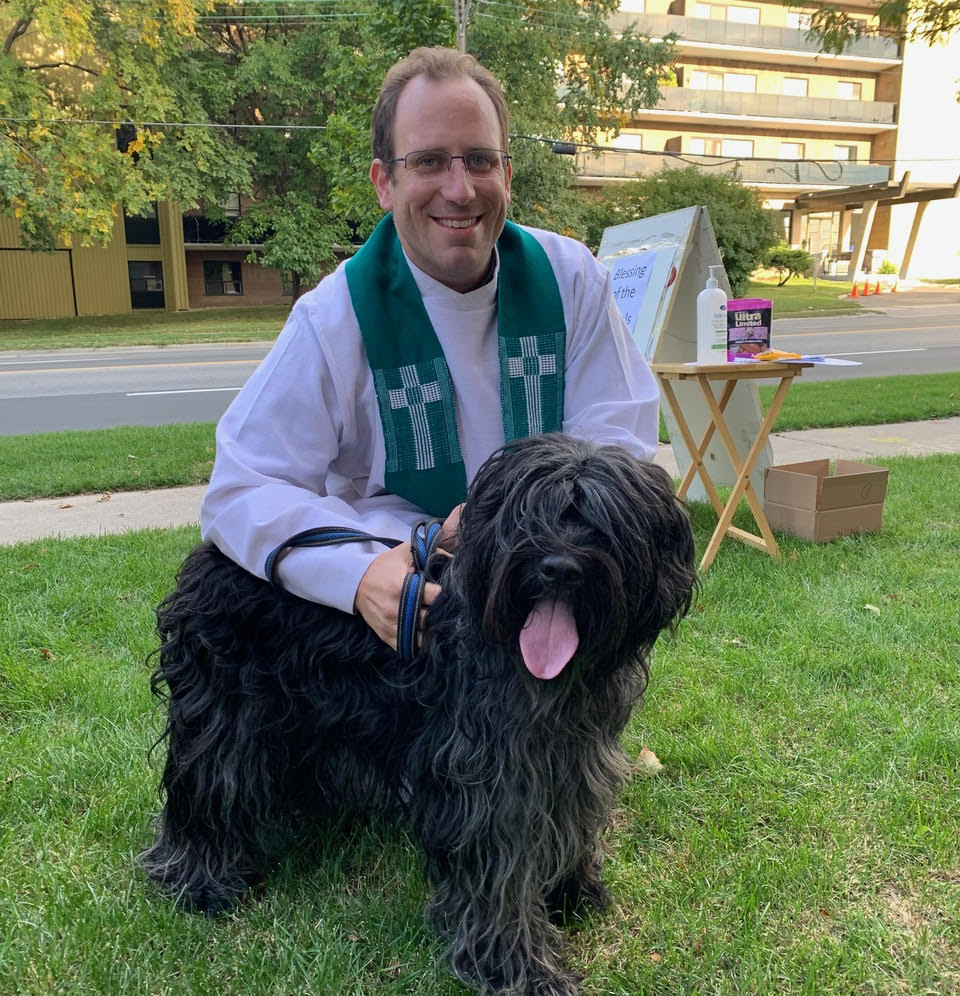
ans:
(190, 390)
(875, 352)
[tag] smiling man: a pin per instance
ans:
(450, 332)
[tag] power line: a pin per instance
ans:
(168, 124)
(580, 146)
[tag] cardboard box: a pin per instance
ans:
(806, 500)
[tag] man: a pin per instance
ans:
(447, 334)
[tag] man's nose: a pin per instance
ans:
(458, 183)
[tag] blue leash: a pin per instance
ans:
(423, 542)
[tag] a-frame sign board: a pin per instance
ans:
(659, 266)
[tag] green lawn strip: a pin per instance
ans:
(251, 324)
(799, 298)
(867, 401)
(128, 458)
(147, 328)
(138, 458)
(800, 839)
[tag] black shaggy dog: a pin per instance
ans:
(499, 740)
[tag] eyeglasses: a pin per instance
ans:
(433, 164)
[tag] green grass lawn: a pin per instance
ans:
(798, 298)
(129, 458)
(164, 328)
(800, 841)
(147, 328)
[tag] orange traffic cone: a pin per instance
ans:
(854, 293)
(876, 289)
(866, 289)
(893, 289)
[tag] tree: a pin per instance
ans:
(65, 67)
(745, 230)
(788, 262)
(929, 20)
(296, 83)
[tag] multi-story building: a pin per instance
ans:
(753, 94)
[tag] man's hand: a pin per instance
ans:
(448, 534)
(378, 594)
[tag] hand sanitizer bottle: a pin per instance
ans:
(712, 321)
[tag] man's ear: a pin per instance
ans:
(383, 183)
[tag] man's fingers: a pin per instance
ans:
(448, 531)
(430, 592)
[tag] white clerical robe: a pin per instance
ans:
(301, 446)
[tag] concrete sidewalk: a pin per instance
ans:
(98, 514)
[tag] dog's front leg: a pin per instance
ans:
(499, 936)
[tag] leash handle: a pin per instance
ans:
(323, 536)
(424, 539)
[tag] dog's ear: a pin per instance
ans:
(640, 496)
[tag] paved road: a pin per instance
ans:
(901, 339)
(92, 389)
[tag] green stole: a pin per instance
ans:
(414, 392)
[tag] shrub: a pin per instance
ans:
(887, 267)
(788, 262)
(745, 230)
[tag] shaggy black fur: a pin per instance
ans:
(280, 708)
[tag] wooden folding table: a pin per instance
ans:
(729, 374)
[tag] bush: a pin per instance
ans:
(745, 230)
(887, 267)
(788, 262)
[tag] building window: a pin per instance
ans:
(146, 283)
(845, 153)
(221, 276)
(705, 146)
(741, 148)
(792, 150)
(795, 86)
(701, 80)
(628, 141)
(848, 91)
(142, 229)
(734, 148)
(632, 6)
(231, 206)
(799, 21)
(740, 82)
(744, 15)
(703, 10)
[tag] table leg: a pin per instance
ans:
(695, 450)
(743, 486)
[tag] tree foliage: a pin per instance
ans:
(930, 20)
(788, 262)
(745, 230)
(65, 65)
(314, 70)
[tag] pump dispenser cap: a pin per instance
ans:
(713, 280)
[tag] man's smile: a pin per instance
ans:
(458, 222)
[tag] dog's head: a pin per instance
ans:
(569, 549)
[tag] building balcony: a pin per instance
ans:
(596, 168)
(685, 105)
(760, 43)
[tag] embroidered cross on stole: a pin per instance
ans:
(424, 463)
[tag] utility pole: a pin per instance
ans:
(461, 12)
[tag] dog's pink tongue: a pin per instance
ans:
(548, 639)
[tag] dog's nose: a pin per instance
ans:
(559, 570)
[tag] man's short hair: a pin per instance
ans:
(436, 64)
